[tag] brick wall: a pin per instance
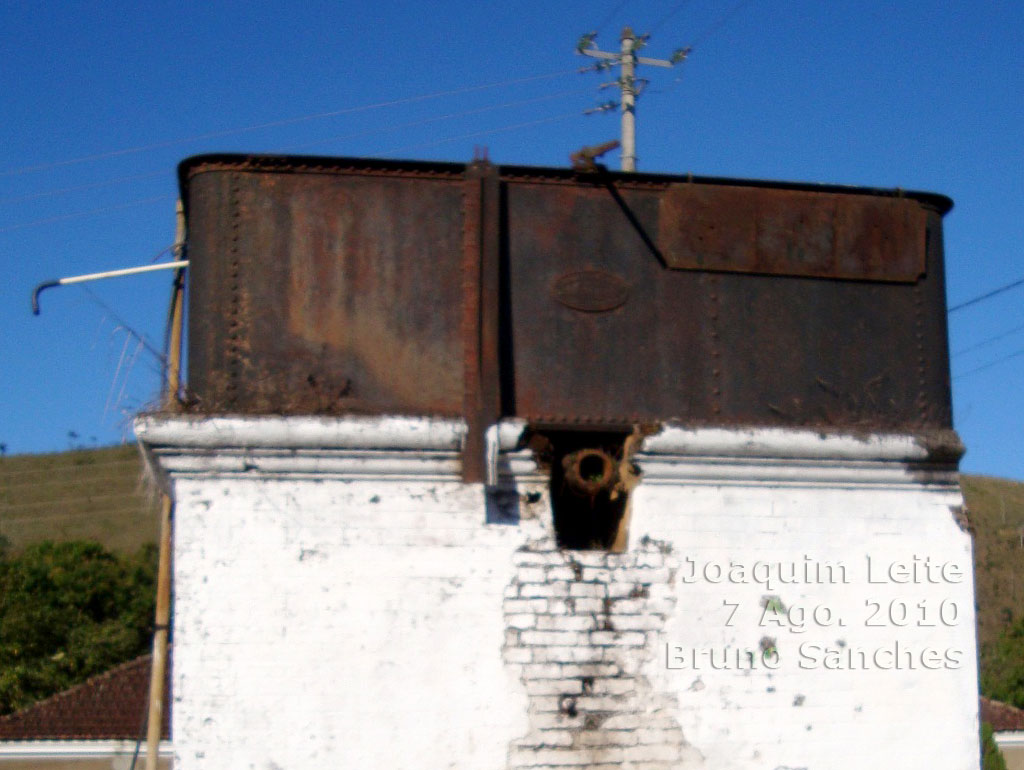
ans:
(580, 626)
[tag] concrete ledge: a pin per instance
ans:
(391, 447)
(803, 443)
(351, 432)
(799, 457)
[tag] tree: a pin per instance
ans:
(1003, 667)
(991, 756)
(68, 611)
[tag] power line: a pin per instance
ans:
(86, 213)
(668, 16)
(988, 295)
(990, 364)
(563, 116)
(80, 187)
(143, 340)
(702, 37)
(282, 122)
(717, 25)
(436, 119)
(288, 148)
(133, 357)
(611, 14)
(989, 340)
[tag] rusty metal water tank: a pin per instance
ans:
(345, 285)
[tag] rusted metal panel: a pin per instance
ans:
(343, 285)
(628, 346)
(792, 233)
(322, 292)
(710, 346)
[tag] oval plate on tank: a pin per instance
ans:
(590, 291)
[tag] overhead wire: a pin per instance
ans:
(988, 340)
(85, 213)
(150, 348)
(286, 148)
(475, 134)
(702, 36)
(437, 118)
(128, 366)
(81, 187)
(165, 250)
(611, 15)
(282, 122)
(988, 295)
(717, 25)
(990, 364)
(668, 16)
(984, 297)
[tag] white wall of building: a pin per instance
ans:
(343, 600)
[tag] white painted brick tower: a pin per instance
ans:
(524, 468)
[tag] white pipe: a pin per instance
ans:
(181, 263)
(125, 271)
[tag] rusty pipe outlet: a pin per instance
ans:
(590, 471)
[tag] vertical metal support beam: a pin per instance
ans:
(481, 298)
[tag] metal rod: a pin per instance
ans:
(98, 276)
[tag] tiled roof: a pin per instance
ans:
(109, 706)
(1002, 716)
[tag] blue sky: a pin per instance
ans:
(920, 95)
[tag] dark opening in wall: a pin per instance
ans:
(591, 477)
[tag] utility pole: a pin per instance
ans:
(630, 86)
(158, 672)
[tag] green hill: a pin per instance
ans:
(88, 494)
(996, 511)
